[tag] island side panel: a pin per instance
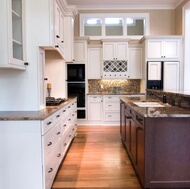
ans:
(167, 152)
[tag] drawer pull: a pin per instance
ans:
(64, 110)
(69, 106)
(73, 114)
(69, 119)
(59, 155)
(58, 133)
(57, 116)
(50, 170)
(64, 125)
(49, 123)
(73, 129)
(49, 144)
(65, 144)
(69, 135)
(110, 105)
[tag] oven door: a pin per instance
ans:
(77, 90)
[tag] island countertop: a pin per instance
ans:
(32, 115)
(166, 111)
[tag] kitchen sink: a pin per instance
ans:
(149, 104)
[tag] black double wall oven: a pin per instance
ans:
(76, 86)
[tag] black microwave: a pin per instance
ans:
(75, 72)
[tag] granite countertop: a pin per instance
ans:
(32, 115)
(119, 93)
(167, 111)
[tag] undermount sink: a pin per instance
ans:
(149, 104)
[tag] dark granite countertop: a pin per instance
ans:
(119, 93)
(31, 115)
(167, 111)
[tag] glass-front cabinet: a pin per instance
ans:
(12, 34)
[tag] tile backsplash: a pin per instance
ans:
(94, 85)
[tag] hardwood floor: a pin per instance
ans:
(96, 159)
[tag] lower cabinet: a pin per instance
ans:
(32, 150)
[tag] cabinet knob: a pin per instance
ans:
(58, 133)
(45, 79)
(57, 36)
(56, 46)
(26, 63)
(62, 41)
(50, 170)
(49, 144)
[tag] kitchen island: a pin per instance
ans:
(156, 137)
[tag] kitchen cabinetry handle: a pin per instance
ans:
(58, 133)
(45, 79)
(57, 36)
(49, 123)
(49, 144)
(65, 144)
(128, 117)
(50, 170)
(56, 46)
(57, 116)
(59, 155)
(64, 125)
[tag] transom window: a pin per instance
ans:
(98, 26)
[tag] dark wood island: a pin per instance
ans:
(157, 140)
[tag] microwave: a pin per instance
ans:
(75, 72)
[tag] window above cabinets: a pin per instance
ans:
(130, 25)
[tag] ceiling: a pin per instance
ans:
(124, 4)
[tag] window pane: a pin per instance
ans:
(93, 27)
(113, 26)
(135, 26)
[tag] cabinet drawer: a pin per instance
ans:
(50, 122)
(97, 98)
(112, 116)
(51, 138)
(112, 106)
(51, 165)
(111, 98)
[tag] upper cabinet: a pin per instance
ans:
(80, 50)
(12, 34)
(115, 50)
(59, 28)
(166, 48)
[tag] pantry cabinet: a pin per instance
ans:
(12, 34)
(115, 50)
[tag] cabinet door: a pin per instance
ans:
(122, 121)
(154, 49)
(133, 140)
(171, 49)
(121, 50)
(140, 152)
(94, 63)
(109, 51)
(80, 51)
(171, 76)
(128, 131)
(154, 70)
(95, 108)
(69, 39)
(135, 63)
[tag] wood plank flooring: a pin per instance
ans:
(96, 159)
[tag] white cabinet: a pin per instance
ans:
(163, 48)
(111, 108)
(59, 28)
(171, 76)
(115, 50)
(80, 50)
(154, 70)
(69, 39)
(135, 65)
(32, 150)
(94, 63)
(12, 34)
(95, 108)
